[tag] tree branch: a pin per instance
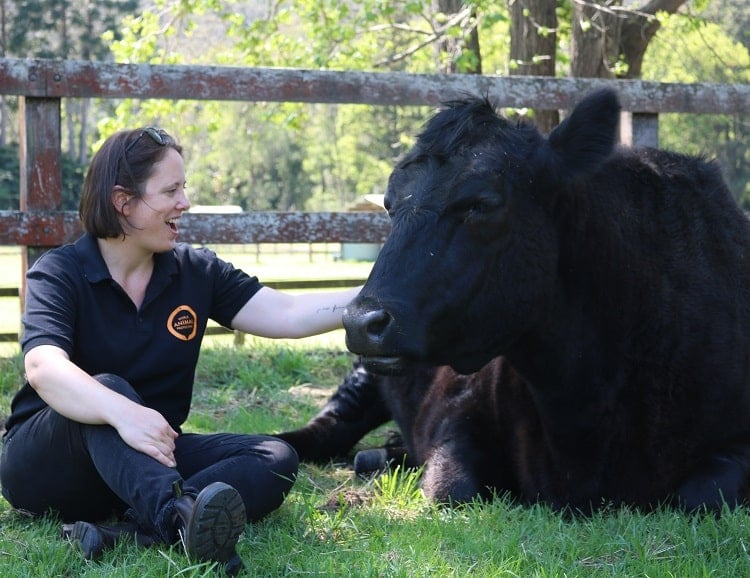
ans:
(458, 18)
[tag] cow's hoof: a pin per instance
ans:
(369, 461)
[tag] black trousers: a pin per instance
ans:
(87, 472)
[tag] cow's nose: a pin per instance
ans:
(366, 329)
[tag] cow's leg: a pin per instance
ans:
(721, 479)
(374, 460)
(355, 408)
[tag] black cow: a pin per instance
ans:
(593, 302)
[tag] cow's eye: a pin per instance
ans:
(478, 207)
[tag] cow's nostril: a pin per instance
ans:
(376, 322)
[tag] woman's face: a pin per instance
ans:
(153, 219)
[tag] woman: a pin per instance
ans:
(112, 330)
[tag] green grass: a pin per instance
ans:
(334, 524)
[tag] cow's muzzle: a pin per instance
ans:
(367, 330)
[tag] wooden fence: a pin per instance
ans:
(42, 84)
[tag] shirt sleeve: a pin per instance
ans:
(51, 302)
(233, 288)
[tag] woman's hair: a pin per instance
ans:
(127, 159)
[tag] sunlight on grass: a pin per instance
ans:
(398, 490)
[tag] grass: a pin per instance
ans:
(335, 524)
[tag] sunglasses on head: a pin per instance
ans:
(157, 135)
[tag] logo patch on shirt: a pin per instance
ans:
(183, 323)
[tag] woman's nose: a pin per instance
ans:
(184, 202)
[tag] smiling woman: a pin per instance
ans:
(112, 332)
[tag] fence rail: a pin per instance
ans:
(77, 79)
(50, 228)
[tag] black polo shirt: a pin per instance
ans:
(73, 302)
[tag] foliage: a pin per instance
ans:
(72, 180)
(66, 29)
(281, 156)
(286, 156)
(691, 50)
(733, 17)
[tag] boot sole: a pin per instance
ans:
(88, 539)
(217, 522)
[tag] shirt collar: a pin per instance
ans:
(95, 269)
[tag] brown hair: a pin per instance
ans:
(127, 159)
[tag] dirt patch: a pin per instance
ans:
(310, 391)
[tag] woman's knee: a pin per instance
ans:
(118, 384)
(286, 461)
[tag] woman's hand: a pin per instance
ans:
(146, 430)
(72, 392)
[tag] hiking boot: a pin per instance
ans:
(210, 524)
(233, 566)
(92, 539)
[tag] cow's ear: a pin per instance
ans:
(582, 141)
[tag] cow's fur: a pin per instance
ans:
(593, 302)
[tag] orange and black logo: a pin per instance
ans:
(183, 323)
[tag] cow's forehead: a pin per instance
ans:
(436, 180)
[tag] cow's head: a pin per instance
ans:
(470, 264)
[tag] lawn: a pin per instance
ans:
(335, 524)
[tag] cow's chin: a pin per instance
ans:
(385, 365)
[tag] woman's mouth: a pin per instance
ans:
(172, 224)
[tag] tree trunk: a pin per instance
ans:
(638, 30)
(604, 33)
(594, 32)
(3, 103)
(456, 47)
(533, 45)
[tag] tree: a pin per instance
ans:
(533, 46)
(457, 37)
(346, 151)
(609, 40)
(5, 15)
(732, 16)
(67, 29)
(325, 155)
(691, 50)
(72, 178)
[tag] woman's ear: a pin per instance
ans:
(120, 198)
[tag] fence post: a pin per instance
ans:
(639, 129)
(40, 166)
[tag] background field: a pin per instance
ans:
(269, 262)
